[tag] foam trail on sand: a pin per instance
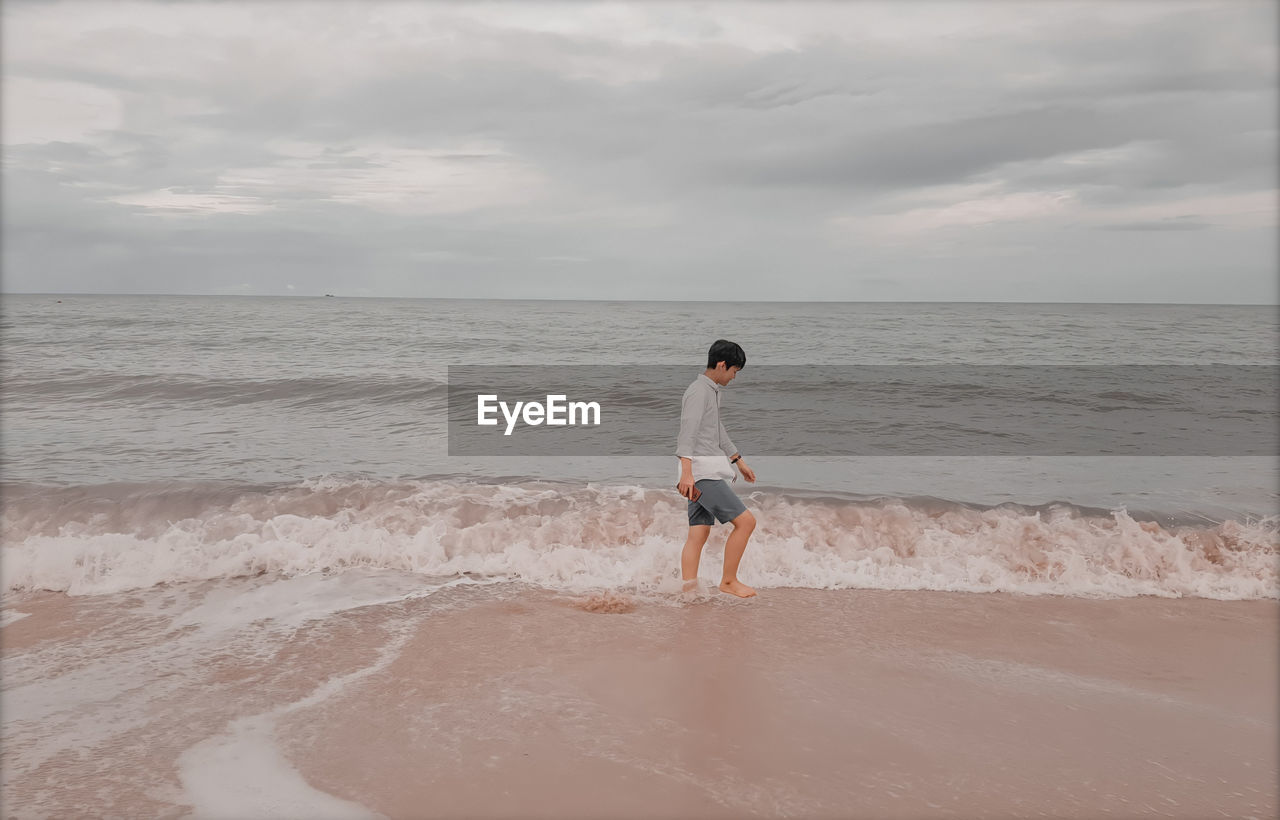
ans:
(242, 773)
(9, 616)
(57, 700)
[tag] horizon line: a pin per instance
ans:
(657, 301)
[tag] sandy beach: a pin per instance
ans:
(510, 701)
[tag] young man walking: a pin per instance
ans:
(707, 458)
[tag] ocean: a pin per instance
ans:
(166, 439)
(244, 577)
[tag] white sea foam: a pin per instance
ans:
(242, 773)
(58, 699)
(291, 602)
(581, 538)
(9, 616)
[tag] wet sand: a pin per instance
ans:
(506, 701)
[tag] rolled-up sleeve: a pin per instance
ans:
(692, 409)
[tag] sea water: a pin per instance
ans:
(160, 439)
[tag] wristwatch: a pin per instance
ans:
(735, 459)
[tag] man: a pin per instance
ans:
(707, 458)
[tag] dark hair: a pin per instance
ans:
(728, 352)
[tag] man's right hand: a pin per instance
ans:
(685, 486)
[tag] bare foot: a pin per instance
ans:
(690, 584)
(736, 587)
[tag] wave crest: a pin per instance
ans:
(113, 538)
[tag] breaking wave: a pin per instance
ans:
(111, 538)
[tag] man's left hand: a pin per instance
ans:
(746, 471)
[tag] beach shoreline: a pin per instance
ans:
(513, 701)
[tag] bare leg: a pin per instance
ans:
(691, 554)
(743, 526)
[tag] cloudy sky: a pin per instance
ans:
(1012, 151)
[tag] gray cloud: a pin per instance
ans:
(1182, 223)
(682, 152)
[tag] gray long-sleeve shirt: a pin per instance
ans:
(702, 436)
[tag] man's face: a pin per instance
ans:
(723, 375)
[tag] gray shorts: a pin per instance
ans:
(718, 502)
